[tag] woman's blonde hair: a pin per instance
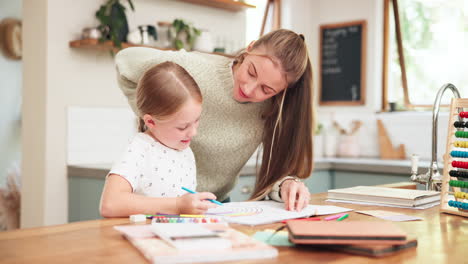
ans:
(163, 89)
(287, 136)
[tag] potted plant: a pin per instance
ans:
(185, 34)
(114, 25)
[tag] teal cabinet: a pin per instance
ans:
(243, 189)
(319, 181)
(84, 195)
(344, 179)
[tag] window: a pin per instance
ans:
(266, 15)
(254, 18)
(434, 37)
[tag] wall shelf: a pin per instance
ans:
(94, 44)
(230, 5)
(107, 45)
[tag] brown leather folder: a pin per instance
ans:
(345, 233)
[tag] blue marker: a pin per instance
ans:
(211, 200)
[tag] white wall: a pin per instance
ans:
(10, 99)
(305, 16)
(57, 77)
(412, 129)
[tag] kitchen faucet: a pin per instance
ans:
(432, 179)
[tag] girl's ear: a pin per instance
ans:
(250, 47)
(149, 122)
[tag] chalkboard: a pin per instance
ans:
(342, 63)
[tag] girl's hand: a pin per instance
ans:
(195, 203)
(295, 195)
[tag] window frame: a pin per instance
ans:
(385, 61)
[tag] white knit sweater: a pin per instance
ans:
(229, 131)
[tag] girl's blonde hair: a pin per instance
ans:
(287, 136)
(163, 89)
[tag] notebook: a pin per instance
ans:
(385, 195)
(267, 212)
(350, 232)
(157, 250)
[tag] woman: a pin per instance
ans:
(262, 96)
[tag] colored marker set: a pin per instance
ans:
(196, 220)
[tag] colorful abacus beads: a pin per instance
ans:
(460, 124)
(461, 134)
(460, 184)
(459, 205)
(459, 174)
(460, 164)
(463, 114)
(461, 144)
(461, 195)
(459, 154)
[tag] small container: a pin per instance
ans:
(204, 42)
(318, 146)
(331, 141)
(349, 146)
(90, 33)
(165, 35)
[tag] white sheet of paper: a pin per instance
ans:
(267, 212)
(424, 206)
(391, 216)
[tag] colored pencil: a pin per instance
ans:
(343, 217)
(193, 192)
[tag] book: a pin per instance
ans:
(374, 250)
(345, 233)
(157, 250)
(190, 236)
(385, 195)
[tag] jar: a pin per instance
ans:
(204, 42)
(165, 35)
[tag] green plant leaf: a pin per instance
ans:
(113, 19)
(152, 32)
(178, 44)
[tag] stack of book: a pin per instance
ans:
(385, 196)
(359, 237)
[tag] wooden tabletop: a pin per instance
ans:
(442, 238)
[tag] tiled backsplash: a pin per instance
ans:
(413, 129)
(98, 135)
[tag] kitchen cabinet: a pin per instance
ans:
(84, 195)
(86, 181)
(320, 181)
(344, 179)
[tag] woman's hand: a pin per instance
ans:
(295, 195)
(195, 203)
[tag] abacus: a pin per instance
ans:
(456, 161)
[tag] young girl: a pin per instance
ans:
(149, 177)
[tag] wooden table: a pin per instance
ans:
(442, 238)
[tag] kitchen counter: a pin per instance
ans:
(367, 165)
